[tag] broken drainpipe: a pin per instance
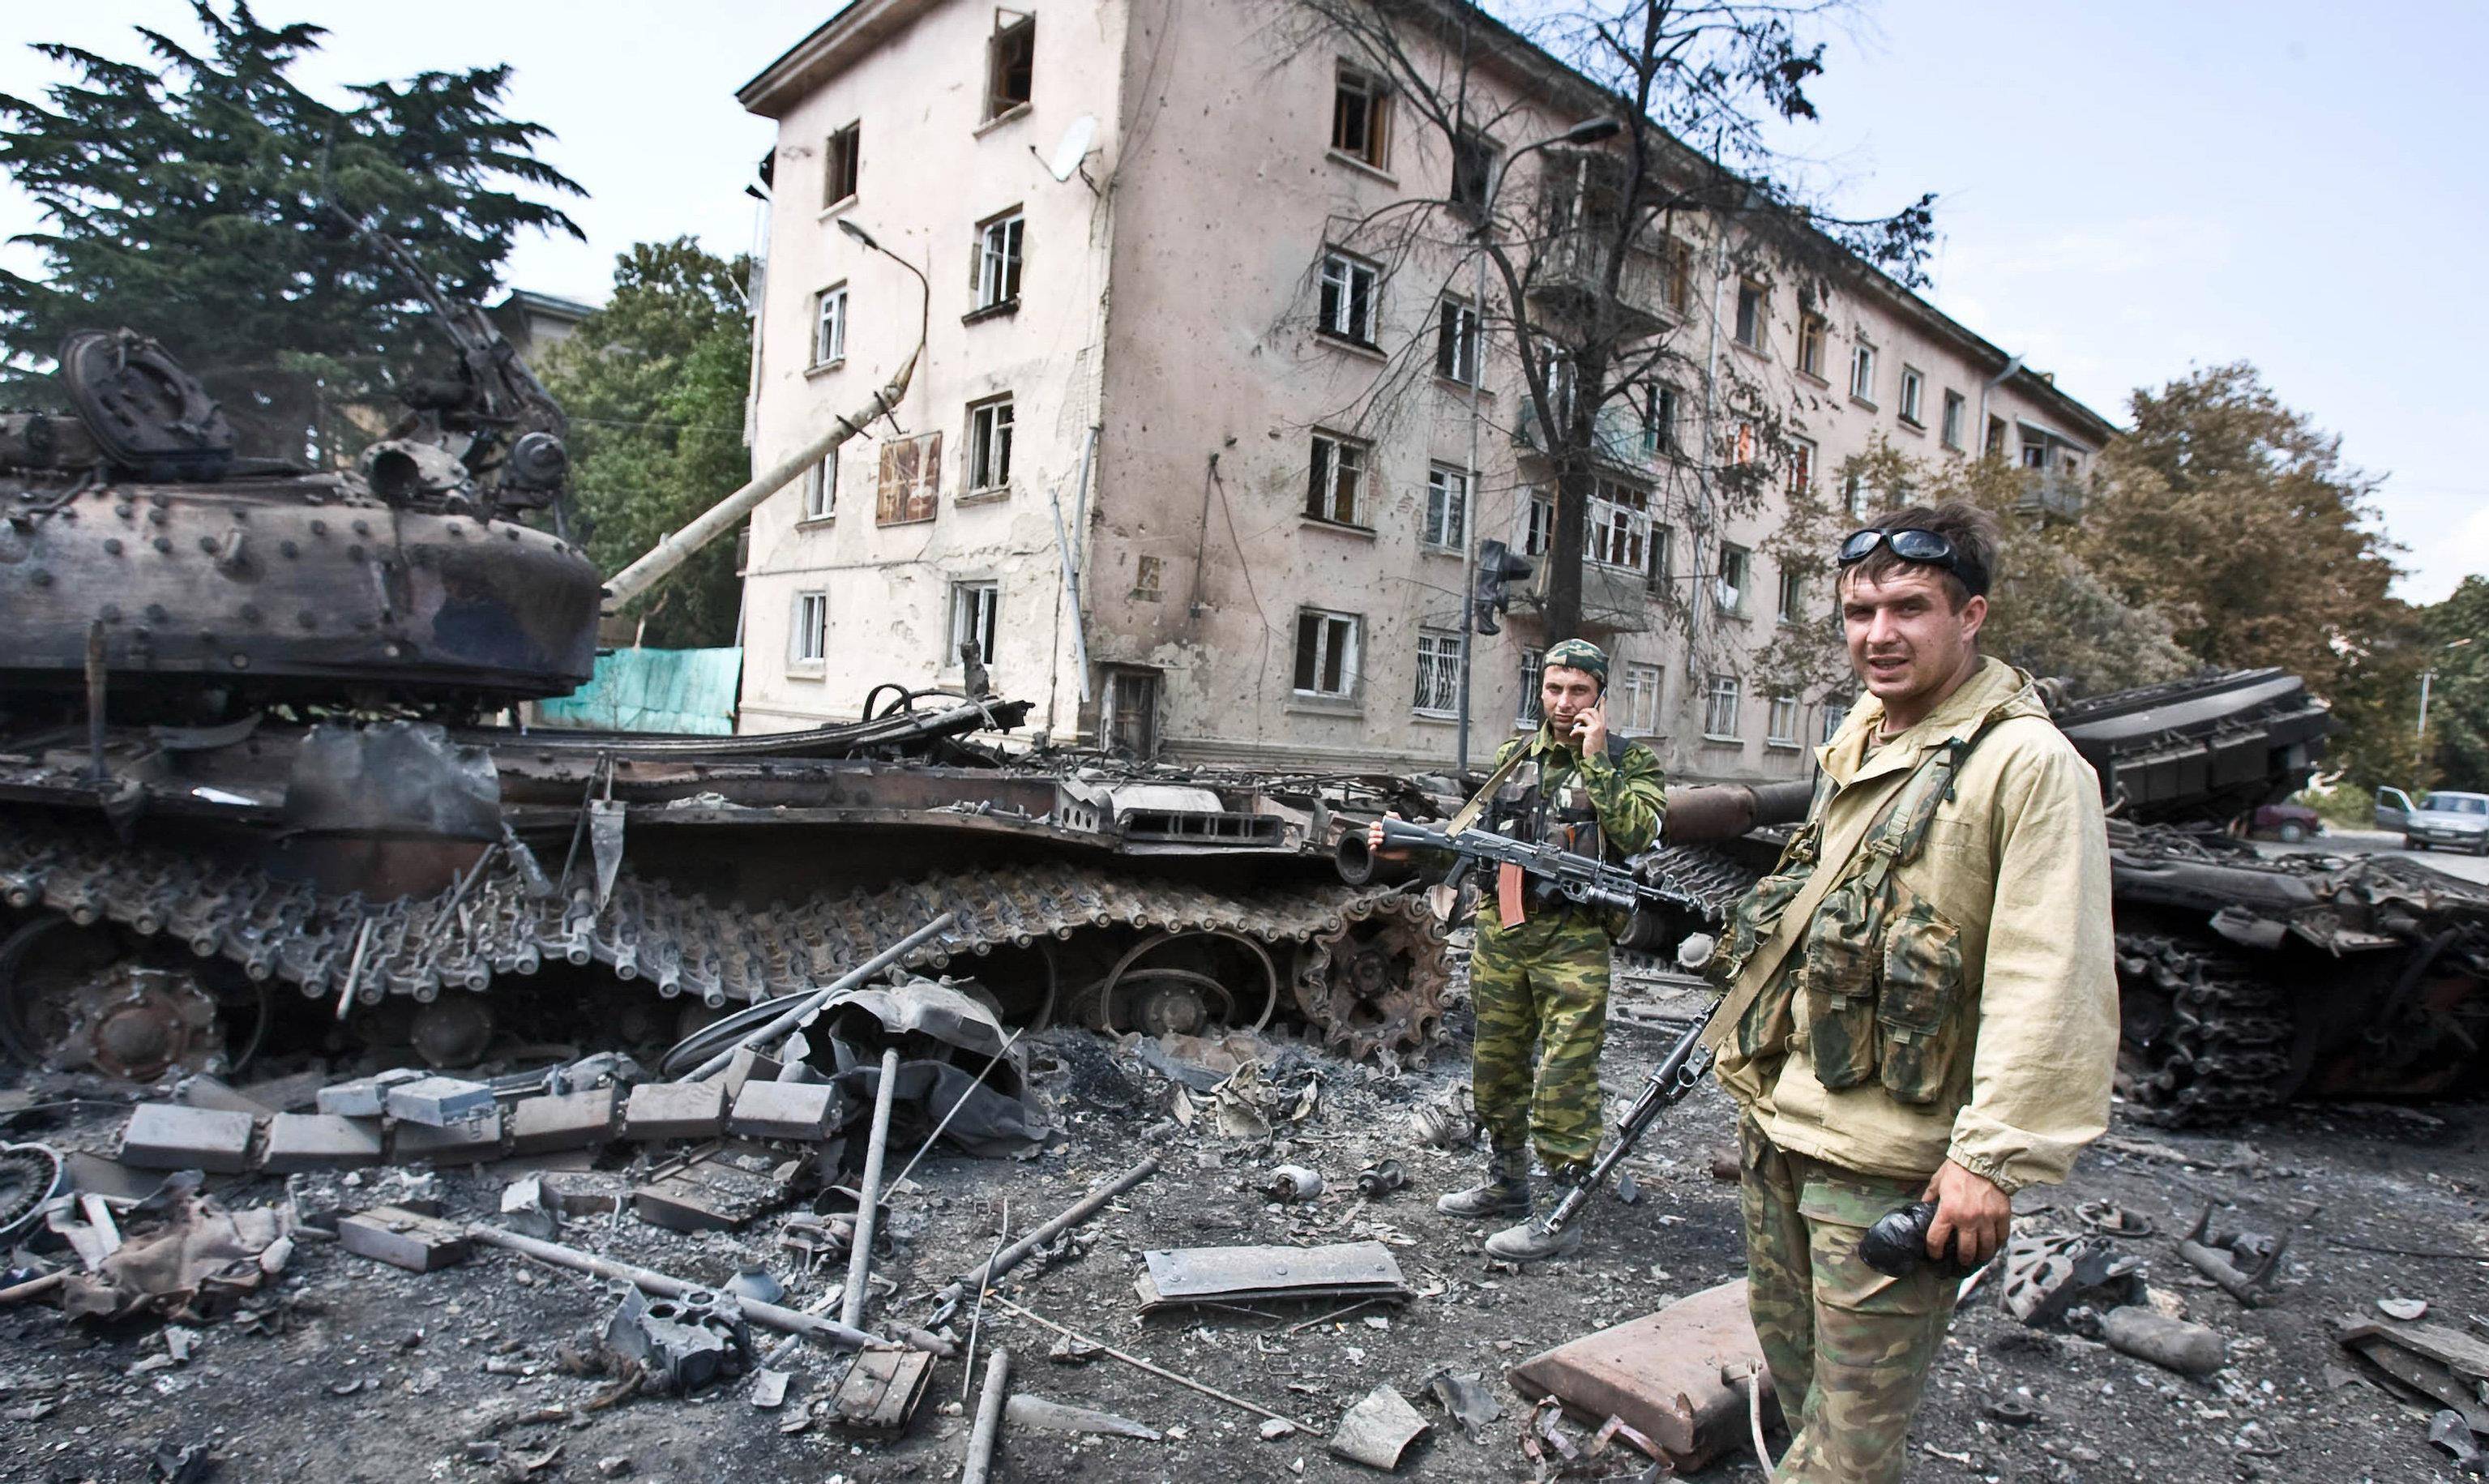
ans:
(869, 1192)
(1011, 1257)
(811, 1004)
(829, 1333)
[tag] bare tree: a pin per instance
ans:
(1650, 121)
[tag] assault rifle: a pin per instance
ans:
(1677, 1073)
(1585, 880)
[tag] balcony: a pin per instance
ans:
(2052, 494)
(1617, 436)
(1613, 601)
(1571, 274)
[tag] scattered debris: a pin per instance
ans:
(1379, 1180)
(1662, 1374)
(1039, 1414)
(770, 1388)
(2047, 1274)
(195, 1261)
(1011, 1256)
(1378, 1430)
(1466, 1400)
(682, 1342)
(403, 1238)
(2246, 1267)
(989, 1418)
(2172, 1344)
(1292, 1185)
(1352, 1269)
(2450, 1433)
(880, 1390)
(1139, 1363)
(2402, 1308)
(1451, 1124)
(2423, 1363)
(2112, 1219)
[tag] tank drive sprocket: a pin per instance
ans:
(1374, 985)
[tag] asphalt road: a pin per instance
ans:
(2471, 868)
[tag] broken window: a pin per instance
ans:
(1326, 658)
(1564, 379)
(1811, 331)
(1953, 408)
(1995, 436)
(1456, 343)
(1360, 117)
(1658, 420)
(1131, 712)
(1640, 694)
(1148, 577)
(821, 489)
(1447, 507)
(1862, 373)
(910, 483)
(1675, 276)
(1530, 712)
(842, 163)
(1619, 531)
(1737, 567)
(1751, 306)
(1439, 674)
(810, 643)
(1473, 158)
(1336, 481)
(1663, 556)
(1741, 451)
(1779, 727)
(830, 326)
(997, 259)
(1914, 392)
(1792, 602)
(1721, 703)
(1541, 533)
(1347, 302)
(1801, 466)
(1011, 63)
(974, 607)
(990, 446)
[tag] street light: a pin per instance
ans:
(924, 289)
(1588, 131)
(2419, 734)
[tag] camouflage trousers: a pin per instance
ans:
(1541, 995)
(1848, 1348)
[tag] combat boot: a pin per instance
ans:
(1505, 1192)
(1535, 1241)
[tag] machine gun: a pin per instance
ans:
(1584, 880)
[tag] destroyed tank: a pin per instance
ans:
(2244, 980)
(248, 788)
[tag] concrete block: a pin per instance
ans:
(785, 1110)
(675, 1110)
(364, 1096)
(544, 1125)
(166, 1136)
(320, 1141)
(472, 1142)
(437, 1102)
(402, 1238)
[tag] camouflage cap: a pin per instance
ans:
(1580, 654)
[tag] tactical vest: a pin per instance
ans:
(1522, 808)
(1880, 970)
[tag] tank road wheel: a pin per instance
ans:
(1376, 986)
(2200, 1037)
(1182, 987)
(77, 998)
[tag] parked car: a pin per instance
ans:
(2289, 823)
(2459, 822)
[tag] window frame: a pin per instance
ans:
(1538, 524)
(1792, 599)
(1443, 528)
(1438, 662)
(1751, 322)
(1660, 413)
(1912, 409)
(1460, 338)
(1006, 35)
(829, 328)
(842, 147)
(1862, 372)
(1376, 92)
(1721, 587)
(996, 269)
(1773, 736)
(1723, 692)
(822, 491)
(1530, 712)
(1616, 532)
(983, 619)
(1800, 475)
(808, 634)
(1814, 337)
(1676, 275)
(1836, 710)
(1643, 687)
(1342, 296)
(1350, 670)
(1324, 475)
(992, 421)
(1663, 556)
(1956, 404)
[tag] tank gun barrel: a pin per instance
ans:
(673, 552)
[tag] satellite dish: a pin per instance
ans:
(1074, 149)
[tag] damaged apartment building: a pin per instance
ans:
(1194, 473)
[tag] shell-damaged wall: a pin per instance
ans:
(933, 171)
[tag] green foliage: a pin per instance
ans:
(654, 384)
(186, 198)
(2455, 641)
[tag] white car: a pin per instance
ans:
(2459, 822)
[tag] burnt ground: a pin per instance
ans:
(364, 1372)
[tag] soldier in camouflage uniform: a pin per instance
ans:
(1920, 1000)
(1538, 977)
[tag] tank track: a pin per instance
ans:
(673, 938)
(2225, 1049)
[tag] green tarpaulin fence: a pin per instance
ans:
(654, 690)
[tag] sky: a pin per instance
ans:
(2126, 189)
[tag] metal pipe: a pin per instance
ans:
(812, 1002)
(1080, 1210)
(710, 524)
(990, 1420)
(868, 1193)
(94, 702)
(829, 1333)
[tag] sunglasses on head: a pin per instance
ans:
(1911, 544)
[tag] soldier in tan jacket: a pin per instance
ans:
(1922, 998)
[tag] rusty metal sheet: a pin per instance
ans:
(1662, 1374)
(1229, 1275)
